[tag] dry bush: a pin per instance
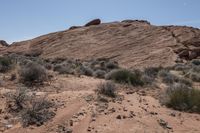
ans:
(37, 112)
(107, 89)
(32, 73)
(32, 110)
(17, 101)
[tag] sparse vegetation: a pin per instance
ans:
(32, 110)
(126, 76)
(107, 89)
(32, 73)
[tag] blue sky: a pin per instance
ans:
(26, 19)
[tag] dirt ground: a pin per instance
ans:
(135, 110)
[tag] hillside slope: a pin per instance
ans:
(132, 43)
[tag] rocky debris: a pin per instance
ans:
(173, 114)
(131, 114)
(164, 124)
(153, 113)
(93, 22)
(4, 43)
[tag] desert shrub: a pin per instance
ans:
(63, 69)
(5, 64)
(48, 66)
(17, 101)
(149, 74)
(169, 78)
(181, 67)
(183, 98)
(196, 61)
(85, 70)
(195, 77)
(37, 112)
(194, 73)
(107, 89)
(32, 73)
(99, 73)
(111, 65)
(30, 108)
(125, 76)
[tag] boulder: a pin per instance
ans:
(94, 22)
(4, 43)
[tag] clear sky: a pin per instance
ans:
(26, 19)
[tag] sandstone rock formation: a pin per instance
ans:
(133, 43)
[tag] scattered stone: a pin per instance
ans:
(124, 117)
(125, 109)
(132, 114)
(89, 129)
(164, 124)
(153, 113)
(71, 123)
(119, 117)
(173, 114)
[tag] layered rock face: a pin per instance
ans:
(133, 43)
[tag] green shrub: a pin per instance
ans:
(126, 76)
(107, 89)
(32, 73)
(5, 64)
(183, 98)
